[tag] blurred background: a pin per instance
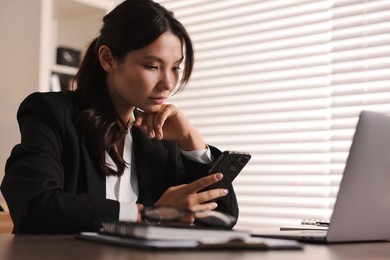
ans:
(282, 80)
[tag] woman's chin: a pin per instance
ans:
(151, 109)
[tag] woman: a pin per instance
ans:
(113, 146)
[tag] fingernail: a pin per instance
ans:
(215, 205)
(219, 176)
(225, 192)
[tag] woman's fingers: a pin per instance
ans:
(146, 123)
(205, 207)
(159, 121)
(211, 195)
(138, 120)
(188, 195)
(149, 125)
(204, 182)
(152, 124)
(167, 123)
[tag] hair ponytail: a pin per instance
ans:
(90, 76)
(98, 121)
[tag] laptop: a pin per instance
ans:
(362, 208)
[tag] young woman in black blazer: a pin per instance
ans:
(113, 146)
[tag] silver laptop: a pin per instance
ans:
(362, 208)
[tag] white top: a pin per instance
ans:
(125, 188)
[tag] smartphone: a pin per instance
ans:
(230, 164)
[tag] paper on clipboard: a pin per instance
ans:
(252, 243)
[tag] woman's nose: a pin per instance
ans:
(167, 82)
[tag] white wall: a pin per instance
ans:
(19, 52)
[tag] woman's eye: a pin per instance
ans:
(176, 68)
(151, 67)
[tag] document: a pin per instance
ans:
(139, 235)
(249, 243)
(167, 232)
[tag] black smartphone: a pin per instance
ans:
(230, 164)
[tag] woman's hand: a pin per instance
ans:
(140, 208)
(169, 123)
(187, 196)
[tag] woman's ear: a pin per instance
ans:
(106, 59)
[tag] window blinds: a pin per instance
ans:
(285, 81)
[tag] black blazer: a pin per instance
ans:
(52, 186)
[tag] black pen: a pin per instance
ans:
(322, 223)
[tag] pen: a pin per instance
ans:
(316, 222)
(322, 223)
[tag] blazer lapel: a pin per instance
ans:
(96, 182)
(150, 161)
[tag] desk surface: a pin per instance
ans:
(67, 247)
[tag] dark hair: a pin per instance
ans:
(131, 25)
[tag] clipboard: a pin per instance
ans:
(250, 243)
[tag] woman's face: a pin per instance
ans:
(146, 77)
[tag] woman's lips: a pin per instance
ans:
(157, 100)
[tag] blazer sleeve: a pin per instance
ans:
(35, 184)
